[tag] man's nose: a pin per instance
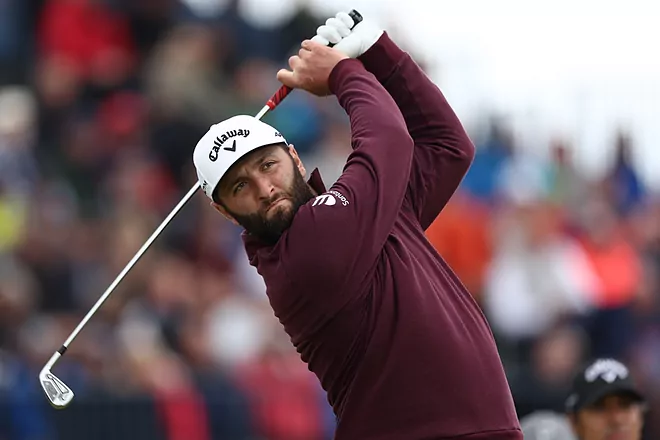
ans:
(618, 417)
(265, 188)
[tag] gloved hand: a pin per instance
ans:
(353, 43)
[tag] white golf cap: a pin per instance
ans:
(225, 143)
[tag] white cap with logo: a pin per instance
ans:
(225, 143)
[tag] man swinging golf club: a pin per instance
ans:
(399, 345)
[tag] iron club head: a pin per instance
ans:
(59, 395)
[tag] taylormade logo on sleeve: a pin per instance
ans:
(324, 199)
(220, 140)
(330, 199)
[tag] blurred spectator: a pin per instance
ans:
(226, 404)
(523, 178)
(605, 400)
(18, 166)
(183, 76)
(567, 187)
(624, 184)
(538, 275)
(497, 146)
(545, 382)
(332, 150)
(284, 393)
(618, 271)
(462, 235)
(93, 39)
(15, 40)
(546, 425)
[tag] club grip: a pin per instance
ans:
(283, 91)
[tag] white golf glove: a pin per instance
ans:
(337, 30)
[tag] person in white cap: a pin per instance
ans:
(400, 346)
(233, 149)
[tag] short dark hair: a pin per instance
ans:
(215, 197)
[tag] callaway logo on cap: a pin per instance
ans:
(225, 143)
(599, 379)
(220, 140)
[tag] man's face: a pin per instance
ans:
(614, 417)
(263, 192)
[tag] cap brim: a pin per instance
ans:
(610, 390)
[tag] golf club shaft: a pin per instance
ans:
(273, 102)
(131, 263)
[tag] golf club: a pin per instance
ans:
(58, 393)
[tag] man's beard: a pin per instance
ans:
(269, 230)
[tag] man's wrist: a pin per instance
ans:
(382, 58)
(340, 73)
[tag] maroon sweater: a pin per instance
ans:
(400, 346)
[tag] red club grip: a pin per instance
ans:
(283, 91)
(275, 100)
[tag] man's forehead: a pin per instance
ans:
(615, 397)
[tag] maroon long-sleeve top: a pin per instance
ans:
(400, 346)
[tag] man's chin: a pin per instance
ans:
(280, 207)
(277, 220)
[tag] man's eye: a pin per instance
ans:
(239, 187)
(268, 164)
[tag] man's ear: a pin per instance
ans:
(296, 160)
(221, 209)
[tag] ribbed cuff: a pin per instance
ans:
(382, 58)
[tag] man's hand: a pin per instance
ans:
(311, 68)
(355, 42)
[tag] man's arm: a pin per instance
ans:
(335, 240)
(443, 150)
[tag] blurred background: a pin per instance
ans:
(555, 230)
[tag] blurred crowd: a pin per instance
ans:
(565, 267)
(101, 104)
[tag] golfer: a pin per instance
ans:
(398, 343)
